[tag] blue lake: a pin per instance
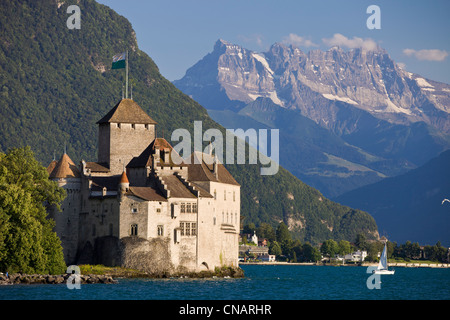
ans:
(261, 282)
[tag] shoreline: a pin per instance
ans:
(110, 275)
(111, 278)
(20, 278)
(365, 264)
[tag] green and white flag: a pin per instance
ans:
(119, 61)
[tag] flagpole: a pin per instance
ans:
(126, 76)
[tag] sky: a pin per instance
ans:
(178, 33)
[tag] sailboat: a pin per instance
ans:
(382, 267)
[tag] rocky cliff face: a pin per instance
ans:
(312, 82)
(381, 120)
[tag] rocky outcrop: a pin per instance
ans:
(19, 278)
(312, 82)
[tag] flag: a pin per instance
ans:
(119, 61)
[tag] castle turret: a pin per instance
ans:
(124, 183)
(68, 176)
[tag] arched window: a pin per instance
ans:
(134, 230)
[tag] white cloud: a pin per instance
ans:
(402, 65)
(342, 41)
(298, 41)
(427, 54)
(253, 39)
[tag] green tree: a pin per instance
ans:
(27, 241)
(296, 250)
(329, 248)
(283, 234)
(408, 250)
(436, 252)
(266, 231)
(275, 248)
(373, 250)
(344, 247)
(361, 242)
(249, 228)
(310, 253)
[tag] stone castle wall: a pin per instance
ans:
(126, 141)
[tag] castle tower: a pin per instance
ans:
(68, 176)
(123, 133)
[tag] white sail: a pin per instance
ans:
(382, 267)
(383, 260)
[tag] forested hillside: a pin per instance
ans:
(56, 83)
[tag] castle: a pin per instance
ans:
(134, 207)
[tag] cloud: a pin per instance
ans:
(298, 41)
(427, 54)
(342, 41)
(253, 39)
(402, 65)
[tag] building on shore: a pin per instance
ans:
(135, 207)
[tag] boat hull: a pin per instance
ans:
(384, 272)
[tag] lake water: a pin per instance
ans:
(261, 282)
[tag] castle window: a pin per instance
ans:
(183, 208)
(234, 195)
(133, 126)
(215, 194)
(214, 220)
(134, 230)
(224, 194)
(188, 228)
(158, 210)
(194, 208)
(188, 208)
(160, 230)
(118, 125)
(134, 210)
(182, 228)
(146, 127)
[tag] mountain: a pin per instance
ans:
(56, 83)
(409, 206)
(391, 119)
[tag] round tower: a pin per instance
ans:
(124, 183)
(68, 176)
